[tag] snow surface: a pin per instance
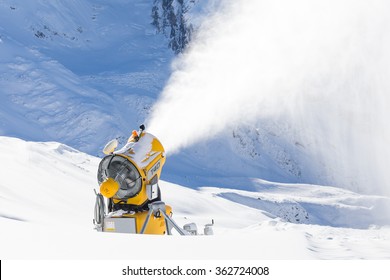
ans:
(47, 200)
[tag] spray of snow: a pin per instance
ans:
(322, 67)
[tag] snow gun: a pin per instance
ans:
(128, 179)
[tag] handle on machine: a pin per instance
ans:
(137, 135)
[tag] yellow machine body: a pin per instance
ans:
(147, 155)
(136, 222)
(129, 177)
(156, 225)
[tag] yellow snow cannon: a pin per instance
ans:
(128, 179)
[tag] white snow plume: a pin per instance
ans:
(320, 67)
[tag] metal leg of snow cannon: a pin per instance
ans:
(169, 227)
(157, 209)
(171, 223)
(99, 212)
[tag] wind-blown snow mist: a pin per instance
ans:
(322, 67)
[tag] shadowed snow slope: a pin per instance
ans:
(47, 200)
(56, 69)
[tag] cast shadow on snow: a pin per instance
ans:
(12, 218)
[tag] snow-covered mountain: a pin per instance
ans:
(85, 72)
(307, 173)
(79, 72)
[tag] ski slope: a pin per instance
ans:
(47, 200)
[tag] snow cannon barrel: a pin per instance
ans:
(129, 176)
